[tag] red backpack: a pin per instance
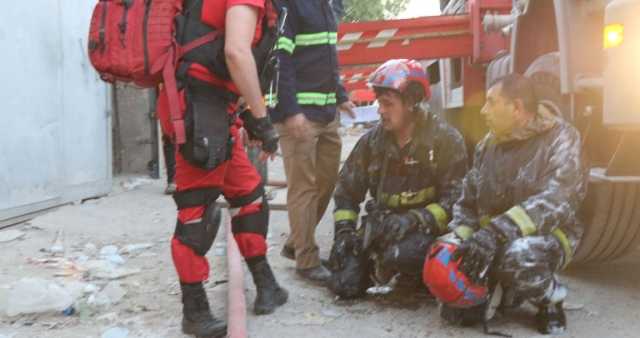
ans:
(133, 41)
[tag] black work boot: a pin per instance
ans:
(551, 319)
(197, 319)
(269, 294)
(462, 317)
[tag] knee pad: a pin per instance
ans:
(252, 221)
(200, 235)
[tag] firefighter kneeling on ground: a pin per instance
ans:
(411, 164)
(516, 222)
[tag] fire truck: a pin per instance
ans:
(583, 58)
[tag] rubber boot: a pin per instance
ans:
(269, 294)
(197, 319)
(551, 319)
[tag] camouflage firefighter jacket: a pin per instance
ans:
(426, 173)
(531, 182)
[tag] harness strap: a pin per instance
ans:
(195, 197)
(209, 37)
(169, 77)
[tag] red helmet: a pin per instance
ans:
(445, 280)
(398, 74)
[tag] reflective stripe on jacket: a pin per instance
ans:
(531, 184)
(426, 173)
(309, 80)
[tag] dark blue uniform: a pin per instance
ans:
(309, 79)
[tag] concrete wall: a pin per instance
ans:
(55, 142)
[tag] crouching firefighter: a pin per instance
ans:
(517, 217)
(235, 60)
(412, 164)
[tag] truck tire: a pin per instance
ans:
(544, 72)
(612, 222)
(500, 66)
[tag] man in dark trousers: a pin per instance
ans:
(518, 214)
(169, 152)
(411, 164)
(213, 162)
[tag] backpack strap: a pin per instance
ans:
(169, 77)
(209, 37)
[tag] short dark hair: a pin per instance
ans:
(516, 86)
(381, 91)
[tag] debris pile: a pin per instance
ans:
(85, 282)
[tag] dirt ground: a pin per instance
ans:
(604, 301)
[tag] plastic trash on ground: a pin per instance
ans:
(115, 332)
(35, 295)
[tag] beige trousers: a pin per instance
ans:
(311, 165)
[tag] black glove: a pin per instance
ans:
(348, 262)
(262, 130)
(397, 226)
(343, 227)
(345, 241)
(427, 223)
(477, 253)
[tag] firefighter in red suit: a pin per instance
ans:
(212, 162)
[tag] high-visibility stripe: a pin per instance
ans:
(345, 215)
(313, 39)
(286, 44)
(439, 214)
(463, 231)
(318, 99)
(409, 198)
(485, 221)
(306, 98)
(519, 216)
(564, 243)
(271, 100)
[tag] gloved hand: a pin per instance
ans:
(345, 242)
(427, 223)
(478, 253)
(397, 226)
(262, 130)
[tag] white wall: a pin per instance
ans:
(55, 142)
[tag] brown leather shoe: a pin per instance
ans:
(288, 252)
